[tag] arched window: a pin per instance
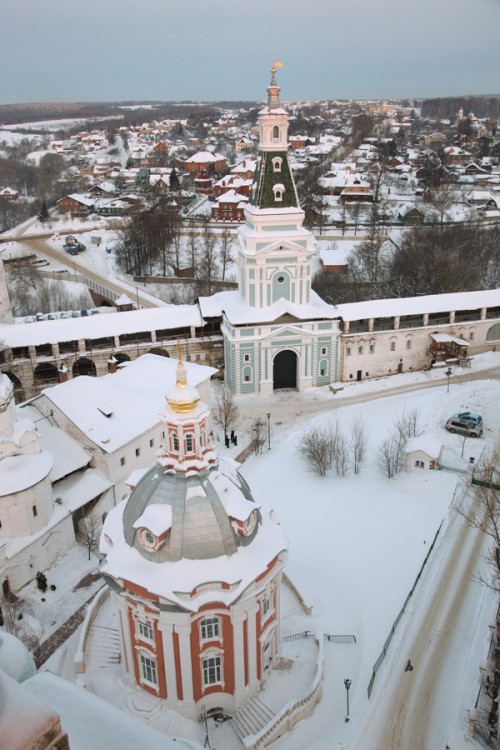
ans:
(278, 191)
(189, 443)
(247, 374)
(149, 673)
(276, 133)
(323, 368)
(175, 442)
(277, 162)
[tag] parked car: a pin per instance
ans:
(469, 416)
(464, 427)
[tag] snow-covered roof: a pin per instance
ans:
(114, 409)
(238, 312)
(100, 326)
(435, 303)
(445, 338)
(67, 454)
(426, 443)
(81, 487)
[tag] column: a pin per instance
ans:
(183, 632)
(252, 644)
(166, 630)
(238, 651)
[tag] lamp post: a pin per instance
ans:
(448, 374)
(347, 685)
(268, 430)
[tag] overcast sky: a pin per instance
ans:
(96, 50)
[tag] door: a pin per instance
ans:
(285, 370)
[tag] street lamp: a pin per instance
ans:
(448, 374)
(268, 430)
(347, 685)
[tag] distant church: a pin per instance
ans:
(278, 333)
(194, 565)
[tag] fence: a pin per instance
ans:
(381, 658)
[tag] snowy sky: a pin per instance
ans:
(170, 49)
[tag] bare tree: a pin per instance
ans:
(193, 241)
(226, 239)
(257, 435)
(225, 411)
(208, 261)
(390, 455)
(91, 531)
(358, 443)
(408, 424)
(315, 448)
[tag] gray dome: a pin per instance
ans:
(201, 510)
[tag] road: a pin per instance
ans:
(415, 710)
(46, 249)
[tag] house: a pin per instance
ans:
(232, 182)
(9, 194)
(356, 189)
(413, 217)
(423, 452)
(230, 207)
(76, 204)
(205, 160)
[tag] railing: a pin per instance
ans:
(293, 711)
(287, 582)
(297, 636)
(386, 645)
(92, 612)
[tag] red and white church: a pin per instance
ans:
(194, 563)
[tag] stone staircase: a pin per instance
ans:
(104, 647)
(251, 717)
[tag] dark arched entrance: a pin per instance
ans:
(160, 352)
(18, 388)
(84, 366)
(285, 370)
(45, 374)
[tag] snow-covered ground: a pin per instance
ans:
(357, 542)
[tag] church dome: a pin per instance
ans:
(15, 659)
(169, 517)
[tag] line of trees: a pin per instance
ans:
(428, 260)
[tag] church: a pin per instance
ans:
(194, 564)
(278, 333)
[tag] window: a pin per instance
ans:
(276, 133)
(266, 606)
(372, 348)
(323, 350)
(471, 336)
(246, 358)
(278, 191)
(212, 670)
(393, 346)
(419, 464)
(151, 443)
(175, 441)
(277, 161)
(189, 443)
(122, 461)
(35, 511)
(247, 374)
(210, 628)
(322, 372)
(348, 351)
(360, 350)
(148, 669)
(408, 343)
(145, 630)
(137, 451)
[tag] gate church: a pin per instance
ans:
(277, 332)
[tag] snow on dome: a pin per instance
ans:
(157, 518)
(182, 397)
(15, 659)
(21, 472)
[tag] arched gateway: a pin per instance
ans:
(285, 370)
